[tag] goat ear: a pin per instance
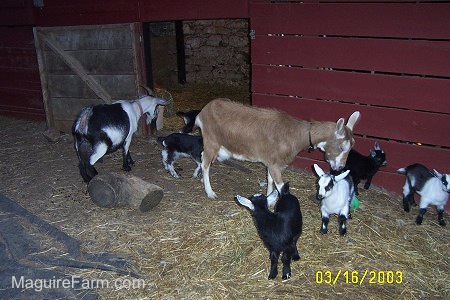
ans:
(340, 131)
(376, 146)
(272, 198)
(353, 119)
(437, 173)
(341, 176)
(318, 170)
(160, 101)
(245, 202)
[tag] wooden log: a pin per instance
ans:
(124, 190)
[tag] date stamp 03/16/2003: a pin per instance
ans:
(359, 277)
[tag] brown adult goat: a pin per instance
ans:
(274, 138)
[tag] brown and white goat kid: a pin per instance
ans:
(274, 138)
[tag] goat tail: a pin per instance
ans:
(402, 171)
(80, 126)
(161, 139)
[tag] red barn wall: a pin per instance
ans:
(322, 61)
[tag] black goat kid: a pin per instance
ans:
(364, 167)
(279, 230)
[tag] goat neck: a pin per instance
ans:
(141, 111)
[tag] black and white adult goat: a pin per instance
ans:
(268, 136)
(177, 145)
(279, 230)
(433, 188)
(336, 194)
(102, 129)
(364, 167)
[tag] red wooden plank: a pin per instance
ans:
(427, 94)
(405, 20)
(16, 12)
(194, 9)
(17, 37)
(86, 12)
(18, 58)
(403, 125)
(24, 99)
(26, 79)
(386, 55)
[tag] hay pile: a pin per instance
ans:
(191, 247)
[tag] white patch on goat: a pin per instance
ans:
(99, 151)
(433, 193)
(339, 161)
(225, 154)
(114, 134)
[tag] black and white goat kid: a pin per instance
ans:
(177, 145)
(102, 129)
(432, 186)
(279, 230)
(364, 167)
(336, 194)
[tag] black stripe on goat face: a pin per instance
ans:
(325, 186)
(445, 181)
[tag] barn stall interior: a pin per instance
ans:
(191, 247)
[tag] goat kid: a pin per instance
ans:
(274, 138)
(189, 120)
(433, 188)
(102, 129)
(279, 230)
(177, 145)
(364, 167)
(336, 194)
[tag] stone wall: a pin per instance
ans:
(217, 51)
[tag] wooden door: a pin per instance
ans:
(86, 65)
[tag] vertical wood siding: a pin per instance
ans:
(321, 61)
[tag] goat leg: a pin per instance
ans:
(342, 225)
(286, 259)
(273, 264)
(295, 255)
(368, 182)
(419, 218)
(126, 161)
(441, 217)
(324, 227)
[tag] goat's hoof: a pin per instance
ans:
(441, 222)
(286, 276)
(343, 232)
(419, 220)
(126, 169)
(296, 257)
(323, 231)
(272, 275)
(366, 186)
(212, 195)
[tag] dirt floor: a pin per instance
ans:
(191, 247)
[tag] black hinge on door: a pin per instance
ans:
(252, 34)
